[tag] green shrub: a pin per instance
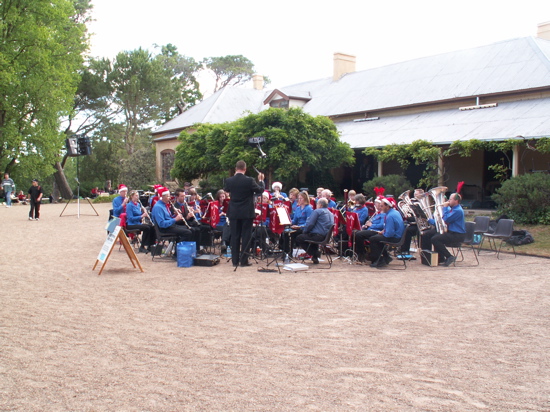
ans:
(394, 185)
(525, 198)
(104, 199)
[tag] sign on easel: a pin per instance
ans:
(116, 234)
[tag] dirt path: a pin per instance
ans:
(353, 338)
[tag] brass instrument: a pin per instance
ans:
(438, 194)
(404, 204)
(423, 200)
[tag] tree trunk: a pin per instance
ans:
(61, 182)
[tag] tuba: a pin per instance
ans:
(423, 200)
(438, 194)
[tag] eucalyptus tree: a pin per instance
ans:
(229, 70)
(41, 46)
(146, 88)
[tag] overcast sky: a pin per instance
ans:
(291, 41)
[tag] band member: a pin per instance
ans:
(317, 226)
(453, 216)
(134, 221)
(293, 199)
(350, 205)
(301, 214)
(319, 192)
(241, 211)
(166, 220)
(327, 194)
(220, 204)
(201, 233)
(277, 193)
(194, 203)
(262, 221)
(187, 188)
(369, 229)
(360, 208)
(392, 232)
(157, 189)
(120, 202)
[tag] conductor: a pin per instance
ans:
(241, 211)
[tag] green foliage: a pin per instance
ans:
(138, 170)
(421, 152)
(525, 198)
(105, 199)
(394, 185)
(229, 70)
(41, 46)
(212, 183)
(293, 139)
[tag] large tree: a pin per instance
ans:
(229, 70)
(147, 88)
(41, 46)
(293, 139)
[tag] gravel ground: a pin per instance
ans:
(353, 338)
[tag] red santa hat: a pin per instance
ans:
(387, 201)
(122, 187)
(163, 191)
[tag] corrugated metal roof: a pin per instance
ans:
(527, 118)
(226, 105)
(512, 65)
(507, 66)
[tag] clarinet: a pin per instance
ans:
(179, 213)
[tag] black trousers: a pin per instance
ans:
(183, 234)
(440, 241)
(147, 234)
(310, 249)
(35, 209)
(361, 237)
(241, 232)
(376, 246)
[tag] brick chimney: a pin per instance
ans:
(258, 81)
(543, 30)
(343, 64)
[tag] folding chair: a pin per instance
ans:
(503, 231)
(481, 227)
(162, 240)
(396, 248)
(468, 241)
(322, 245)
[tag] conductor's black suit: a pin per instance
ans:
(241, 213)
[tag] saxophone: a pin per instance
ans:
(438, 194)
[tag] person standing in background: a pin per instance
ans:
(8, 186)
(35, 194)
